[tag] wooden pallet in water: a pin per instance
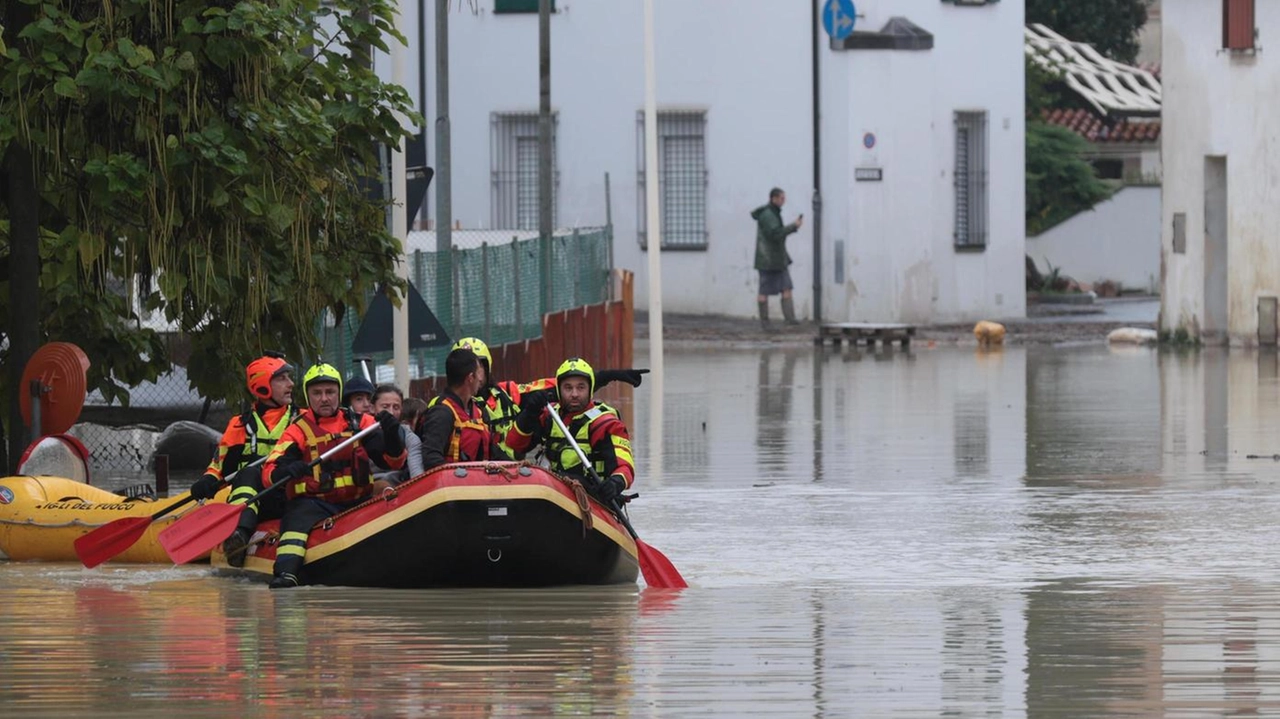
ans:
(867, 332)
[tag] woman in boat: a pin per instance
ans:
(249, 437)
(329, 487)
(454, 429)
(595, 426)
(389, 398)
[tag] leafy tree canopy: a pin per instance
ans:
(1059, 182)
(216, 151)
(1111, 26)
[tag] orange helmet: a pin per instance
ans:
(260, 372)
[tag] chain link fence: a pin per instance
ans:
(498, 288)
(498, 285)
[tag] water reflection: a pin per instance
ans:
(160, 639)
(1044, 531)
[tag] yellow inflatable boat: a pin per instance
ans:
(41, 517)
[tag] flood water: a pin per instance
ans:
(1042, 531)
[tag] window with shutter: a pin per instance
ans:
(1237, 24)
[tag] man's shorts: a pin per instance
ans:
(775, 282)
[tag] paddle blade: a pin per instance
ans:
(198, 532)
(658, 571)
(110, 539)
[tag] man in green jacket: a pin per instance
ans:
(772, 258)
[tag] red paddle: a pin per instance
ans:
(658, 571)
(116, 536)
(200, 531)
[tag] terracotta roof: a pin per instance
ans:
(1100, 130)
(1109, 86)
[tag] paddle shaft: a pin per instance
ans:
(582, 457)
(199, 531)
(328, 453)
(115, 537)
(187, 499)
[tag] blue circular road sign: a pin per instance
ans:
(838, 18)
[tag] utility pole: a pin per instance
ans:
(653, 243)
(400, 223)
(444, 173)
(545, 204)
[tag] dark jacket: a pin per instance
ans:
(771, 238)
(437, 432)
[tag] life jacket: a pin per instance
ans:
(471, 438)
(560, 453)
(501, 409)
(344, 477)
(259, 438)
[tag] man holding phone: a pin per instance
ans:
(772, 259)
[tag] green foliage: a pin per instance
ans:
(1111, 26)
(1043, 87)
(1179, 338)
(1059, 183)
(216, 150)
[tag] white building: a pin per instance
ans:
(1221, 269)
(931, 119)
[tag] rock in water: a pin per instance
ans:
(1132, 336)
(190, 445)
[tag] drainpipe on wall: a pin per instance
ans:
(817, 170)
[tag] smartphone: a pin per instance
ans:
(801, 216)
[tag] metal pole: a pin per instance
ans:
(484, 286)
(608, 220)
(400, 220)
(653, 241)
(456, 310)
(817, 171)
(515, 284)
(444, 173)
(545, 219)
(577, 276)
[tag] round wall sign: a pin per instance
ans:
(869, 140)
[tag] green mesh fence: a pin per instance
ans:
(495, 290)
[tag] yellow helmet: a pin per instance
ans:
(475, 344)
(321, 372)
(577, 367)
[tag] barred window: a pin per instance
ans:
(971, 180)
(682, 179)
(513, 161)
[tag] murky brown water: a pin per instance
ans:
(1034, 532)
